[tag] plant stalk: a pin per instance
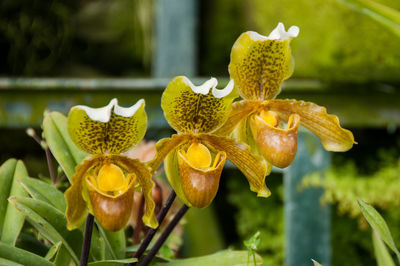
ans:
(87, 240)
(160, 218)
(163, 237)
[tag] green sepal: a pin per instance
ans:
(107, 129)
(197, 112)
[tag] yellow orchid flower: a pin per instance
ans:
(259, 64)
(104, 184)
(194, 157)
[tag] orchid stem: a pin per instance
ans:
(163, 237)
(87, 240)
(160, 218)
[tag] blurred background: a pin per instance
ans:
(58, 53)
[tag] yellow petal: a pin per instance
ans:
(110, 178)
(278, 146)
(316, 119)
(190, 108)
(259, 66)
(200, 186)
(76, 205)
(110, 129)
(112, 212)
(143, 176)
(240, 110)
(164, 147)
(252, 166)
(198, 155)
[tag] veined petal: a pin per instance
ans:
(252, 166)
(196, 109)
(76, 205)
(200, 186)
(144, 178)
(112, 212)
(260, 64)
(240, 110)
(316, 119)
(110, 129)
(164, 147)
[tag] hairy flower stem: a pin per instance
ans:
(87, 239)
(160, 218)
(163, 237)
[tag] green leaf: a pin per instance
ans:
(222, 258)
(63, 258)
(20, 256)
(50, 222)
(387, 16)
(9, 262)
(11, 220)
(112, 262)
(67, 154)
(377, 222)
(114, 241)
(53, 251)
(316, 263)
(45, 192)
(382, 255)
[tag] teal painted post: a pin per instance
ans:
(175, 38)
(307, 223)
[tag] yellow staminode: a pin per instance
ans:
(198, 155)
(269, 117)
(110, 178)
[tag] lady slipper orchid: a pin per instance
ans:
(258, 66)
(104, 184)
(194, 157)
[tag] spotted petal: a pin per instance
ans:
(196, 109)
(110, 129)
(316, 119)
(252, 166)
(260, 64)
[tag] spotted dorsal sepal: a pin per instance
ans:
(110, 129)
(196, 109)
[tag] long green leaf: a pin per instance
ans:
(43, 191)
(377, 222)
(53, 226)
(9, 262)
(67, 154)
(21, 256)
(387, 16)
(382, 255)
(112, 262)
(53, 251)
(11, 220)
(63, 258)
(115, 242)
(222, 258)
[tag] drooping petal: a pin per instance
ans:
(316, 119)
(278, 146)
(76, 205)
(260, 64)
(110, 129)
(112, 212)
(252, 166)
(164, 147)
(240, 110)
(196, 109)
(143, 176)
(200, 186)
